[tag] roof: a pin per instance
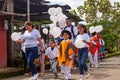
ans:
(38, 9)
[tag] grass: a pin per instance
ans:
(117, 53)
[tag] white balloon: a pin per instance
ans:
(45, 31)
(61, 17)
(61, 23)
(19, 33)
(98, 28)
(52, 26)
(52, 11)
(53, 19)
(15, 36)
(92, 29)
(58, 10)
(56, 32)
(79, 43)
(101, 27)
(65, 17)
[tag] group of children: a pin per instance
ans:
(63, 54)
(96, 51)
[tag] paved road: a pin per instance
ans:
(109, 70)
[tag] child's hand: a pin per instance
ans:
(84, 41)
(70, 57)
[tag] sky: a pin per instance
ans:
(73, 3)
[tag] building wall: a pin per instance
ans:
(3, 46)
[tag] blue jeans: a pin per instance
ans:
(82, 56)
(32, 53)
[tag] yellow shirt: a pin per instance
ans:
(65, 51)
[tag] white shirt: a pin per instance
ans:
(84, 36)
(31, 38)
(74, 30)
(51, 53)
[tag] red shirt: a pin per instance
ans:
(94, 45)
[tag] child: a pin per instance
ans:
(83, 52)
(94, 47)
(52, 53)
(101, 50)
(65, 57)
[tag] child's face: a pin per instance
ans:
(80, 29)
(66, 36)
(51, 44)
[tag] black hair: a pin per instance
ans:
(93, 34)
(83, 26)
(52, 41)
(66, 31)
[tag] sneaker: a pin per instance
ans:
(66, 78)
(35, 76)
(87, 75)
(81, 77)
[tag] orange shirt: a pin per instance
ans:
(65, 49)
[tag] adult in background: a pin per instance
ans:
(30, 38)
(72, 29)
(42, 58)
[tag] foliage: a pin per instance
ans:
(102, 12)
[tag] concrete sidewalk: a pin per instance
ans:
(109, 70)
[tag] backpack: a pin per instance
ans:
(72, 31)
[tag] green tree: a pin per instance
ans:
(102, 12)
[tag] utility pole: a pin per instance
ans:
(10, 9)
(28, 10)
